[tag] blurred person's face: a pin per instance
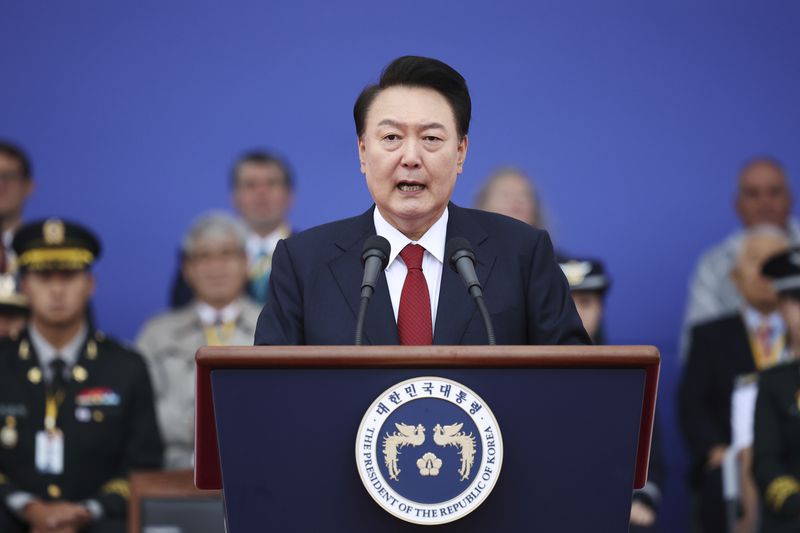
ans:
(590, 308)
(512, 195)
(216, 269)
(11, 324)
(57, 298)
(411, 155)
(14, 188)
(789, 308)
(756, 289)
(262, 196)
(764, 196)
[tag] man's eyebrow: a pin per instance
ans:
(426, 126)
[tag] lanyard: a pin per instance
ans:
(766, 360)
(53, 401)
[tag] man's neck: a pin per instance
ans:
(219, 305)
(265, 230)
(58, 335)
(413, 229)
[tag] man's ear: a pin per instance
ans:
(463, 144)
(362, 149)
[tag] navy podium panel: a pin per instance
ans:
(287, 440)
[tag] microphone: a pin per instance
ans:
(459, 253)
(374, 258)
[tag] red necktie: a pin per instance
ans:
(414, 324)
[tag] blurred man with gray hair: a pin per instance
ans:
(215, 267)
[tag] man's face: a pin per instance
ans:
(590, 308)
(11, 324)
(262, 196)
(789, 308)
(756, 289)
(411, 155)
(511, 195)
(216, 269)
(14, 188)
(764, 196)
(58, 298)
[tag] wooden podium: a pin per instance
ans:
(276, 428)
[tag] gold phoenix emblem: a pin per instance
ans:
(408, 435)
(53, 232)
(429, 465)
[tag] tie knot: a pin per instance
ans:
(412, 256)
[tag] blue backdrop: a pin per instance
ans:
(632, 116)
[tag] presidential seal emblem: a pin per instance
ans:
(429, 450)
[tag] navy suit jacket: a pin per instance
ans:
(315, 287)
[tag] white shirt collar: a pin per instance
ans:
(47, 352)
(209, 315)
(256, 243)
(753, 320)
(433, 240)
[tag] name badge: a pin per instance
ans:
(50, 452)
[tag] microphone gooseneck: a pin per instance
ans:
(374, 258)
(461, 258)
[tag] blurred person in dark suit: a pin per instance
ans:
(16, 185)
(776, 447)
(76, 407)
(721, 351)
(589, 283)
(221, 314)
(412, 141)
(763, 197)
(509, 191)
(262, 188)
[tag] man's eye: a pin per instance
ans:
(391, 137)
(431, 138)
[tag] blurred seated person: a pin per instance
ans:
(77, 407)
(776, 447)
(763, 197)
(721, 351)
(215, 267)
(13, 307)
(262, 193)
(589, 284)
(508, 191)
(16, 185)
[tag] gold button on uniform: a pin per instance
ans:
(98, 416)
(34, 375)
(79, 373)
(54, 491)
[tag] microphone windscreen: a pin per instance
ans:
(455, 245)
(376, 246)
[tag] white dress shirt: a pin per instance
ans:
(46, 352)
(211, 316)
(256, 244)
(432, 261)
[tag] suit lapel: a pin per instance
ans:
(456, 307)
(380, 327)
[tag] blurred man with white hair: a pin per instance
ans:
(215, 267)
(762, 197)
(737, 344)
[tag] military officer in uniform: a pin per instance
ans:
(776, 446)
(76, 408)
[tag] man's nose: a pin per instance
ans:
(411, 155)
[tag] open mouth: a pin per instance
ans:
(410, 186)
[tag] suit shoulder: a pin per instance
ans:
(124, 356)
(779, 374)
(720, 325)
(324, 233)
(167, 321)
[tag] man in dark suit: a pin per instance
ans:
(412, 142)
(76, 408)
(721, 351)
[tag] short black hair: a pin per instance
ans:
(425, 72)
(15, 152)
(261, 157)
